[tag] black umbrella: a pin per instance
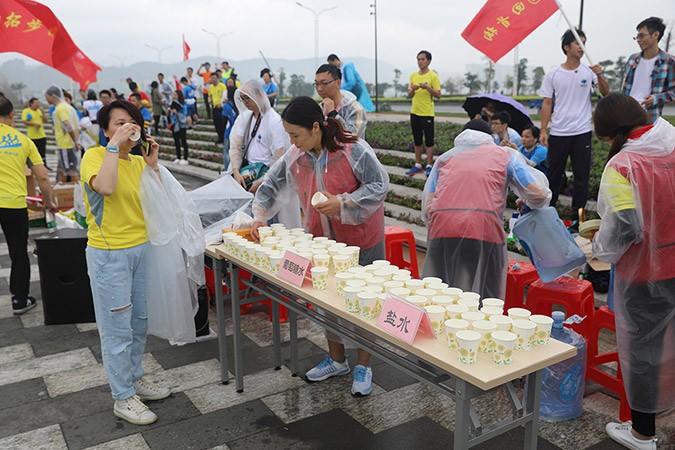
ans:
(519, 116)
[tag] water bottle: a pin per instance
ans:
(512, 222)
(562, 389)
(50, 220)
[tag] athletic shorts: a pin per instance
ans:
(422, 125)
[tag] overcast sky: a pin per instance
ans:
(282, 29)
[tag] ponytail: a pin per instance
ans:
(333, 134)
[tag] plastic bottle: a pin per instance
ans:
(512, 222)
(50, 220)
(562, 389)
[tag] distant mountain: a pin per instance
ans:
(39, 77)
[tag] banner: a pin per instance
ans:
(32, 29)
(500, 25)
(186, 50)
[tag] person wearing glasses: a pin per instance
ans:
(337, 103)
(650, 74)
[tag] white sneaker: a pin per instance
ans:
(133, 410)
(621, 433)
(176, 161)
(184, 162)
(146, 390)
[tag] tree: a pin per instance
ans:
(451, 86)
(609, 72)
(620, 71)
(489, 75)
(522, 75)
(508, 83)
(538, 78)
(471, 82)
(397, 78)
(18, 87)
(382, 88)
(298, 86)
(281, 78)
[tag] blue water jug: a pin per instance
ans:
(547, 242)
(562, 389)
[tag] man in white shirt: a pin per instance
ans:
(571, 85)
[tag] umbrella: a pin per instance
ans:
(519, 115)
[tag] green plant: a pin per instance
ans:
(402, 200)
(407, 181)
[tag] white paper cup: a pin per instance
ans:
(321, 260)
(485, 328)
(437, 316)
(402, 278)
(414, 285)
(468, 342)
(403, 272)
(380, 301)
(455, 311)
(452, 326)
(472, 316)
(504, 343)
(470, 303)
(136, 136)
(400, 292)
(389, 285)
(370, 268)
(351, 298)
(428, 293)
(297, 231)
(363, 276)
(493, 302)
(356, 283)
(469, 295)
(341, 280)
(319, 278)
(442, 300)
(452, 292)
(381, 262)
(417, 300)
(519, 313)
(317, 198)
(249, 253)
(383, 273)
(376, 281)
(341, 262)
(275, 261)
(543, 328)
(329, 242)
(339, 245)
(503, 322)
(525, 331)
(356, 252)
(375, 289)
(429, 280)
(266, 262)
(368, 304)
(356, 269)
(320, 239)
(437, 286)
(260, 256)
(491, 311)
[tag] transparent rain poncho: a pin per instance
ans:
(637, 205)
(351, 113)
(463, 205)
(353, 173)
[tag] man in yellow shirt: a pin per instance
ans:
(216, 90)
(15, 151)
(34, 119)
(424, 86)
(66, 133)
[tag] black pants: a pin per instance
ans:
(422, 125)
(207, 105)
(41, 145)
(644, 423)
(180, 137)
(219, 124)
(578, 148)
(14, 224)
(156, 119)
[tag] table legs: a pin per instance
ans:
(462, 414)
(533, 396)
(236, 325)
(276, 333)
(220, 313)
(293, 331)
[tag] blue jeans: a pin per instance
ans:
(118, 286)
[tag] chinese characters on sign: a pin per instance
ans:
(403, 320)
(518, 8)
(293, 268)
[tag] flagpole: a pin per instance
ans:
(574, 32)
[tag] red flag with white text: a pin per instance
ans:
(32, 29)
(500, 25)
(186, 50)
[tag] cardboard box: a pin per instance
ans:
(244, 232)
(64, 195)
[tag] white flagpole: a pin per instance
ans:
(574, 31)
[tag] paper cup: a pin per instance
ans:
(266, 261)
(370, 268)
(472, 316)
(320, 239)
(389, 285)
(380, 301)
(417, 300)
(365, 276)
(375, 289)
(493, 302)
(383, 273)
(429, 280)
(452, 326)
(468, 342)
(356, 283)
(356, 252)
(428, 293)
(437, 316)
(275, 261)
(503, 322)
(414, 285)
(469, 295)
(504, 342)
(405, 272)
(376, 281)
(249, 253)
(485, 328)
(341, 263)
(351, 298)
(452, 292)
(321, 260)
(264, 233)
(260, 256)
(341, 282)
(317, 198)
(470, 303)
(455, 311)
(403, 278)
(442, 300)
(368, 304)
(297, 231)
(437, 286)
(355, 270)
(329, 242)
(519, 313)
(491, 311)
(381, 262)
(319, 278)
(543, 329)
(525, 331)
(400, 292)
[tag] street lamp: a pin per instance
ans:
(217, 36)
(121, 59)
(316, 28)
(374, 14)
(159, 51)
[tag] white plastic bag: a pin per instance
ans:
(241, 220)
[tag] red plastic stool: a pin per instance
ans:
(604, 318)
(516, 281)
(394, 238)
(574, 294)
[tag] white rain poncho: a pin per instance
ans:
(351, 114)
(637, 205)
(267, 146)
(463, 205)
(353, 173)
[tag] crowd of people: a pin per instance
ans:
(284, 159)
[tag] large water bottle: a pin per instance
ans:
(562, 389)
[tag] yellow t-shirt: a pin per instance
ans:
(422, 103)
(115, 221)
(15, 149)
(62, 113)
(216, 94)
(34, 132)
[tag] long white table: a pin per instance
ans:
(427, 359)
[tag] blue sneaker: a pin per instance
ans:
(363, 381)
(414, 170)
(328, 368)
(427, 170)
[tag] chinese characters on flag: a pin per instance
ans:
(32, 29)
(500, 25)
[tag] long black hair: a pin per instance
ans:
(615, 117)
(305, 112)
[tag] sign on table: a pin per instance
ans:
(403, 320)
(293, 268)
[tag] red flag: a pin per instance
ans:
(500, 25)
(32, 29)
(186, 50)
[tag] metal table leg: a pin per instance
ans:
(293, 330)
(236, 325)
(533, 396)
(220, 313)
(462, 414)
(276, 333)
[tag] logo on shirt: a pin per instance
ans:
(584, 82)
(9, 141)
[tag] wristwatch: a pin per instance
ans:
(112, 149)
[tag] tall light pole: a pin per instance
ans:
(374, 14)
(581, 15)
(121, 59)
(218, 37)
(159, 52)
(316, 28)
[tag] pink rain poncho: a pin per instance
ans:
(637, 206)
(463, 205)
(353, 173)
